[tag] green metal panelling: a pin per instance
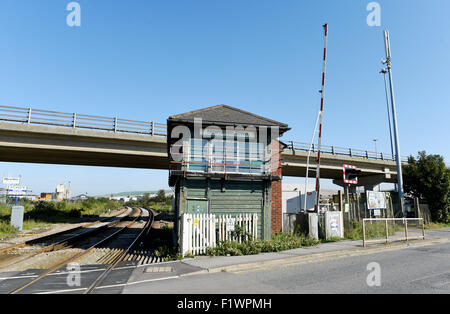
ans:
(230, 198)
(237, 198)
(236, 208)
(236, 202)
(236, 192)
(197, 207)
(196, 193)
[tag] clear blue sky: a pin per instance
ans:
(147, 60)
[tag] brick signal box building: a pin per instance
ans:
(224, 160)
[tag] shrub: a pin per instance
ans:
(278, 243)
(42, 209)
(167, 253)
(6, 229)
(428, 177)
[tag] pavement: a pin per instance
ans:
(332, 249)
(418, 266)
(131, 278)
(414, 270)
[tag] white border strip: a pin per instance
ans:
(111, 286)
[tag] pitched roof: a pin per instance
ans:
(224, 114)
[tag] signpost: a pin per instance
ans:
(350, 177)
(350, 174)
(231, 222)
(11, 181)
(15, 190)
(376, 201)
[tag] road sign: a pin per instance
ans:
(230, 224)
(346, 208)
(11, 181)
(350, 174)
(376, 200)
(15, 190)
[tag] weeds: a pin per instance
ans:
(436, 225)
(278, 243)
(6, 229)
(168, 253)
(43, 214)
(332, 239)
(373, 230)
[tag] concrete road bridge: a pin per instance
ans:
(40, 136)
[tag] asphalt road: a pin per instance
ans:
(417, 269)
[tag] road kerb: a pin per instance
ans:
(316, 257)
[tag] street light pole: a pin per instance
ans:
(401, 196)
(376, 149)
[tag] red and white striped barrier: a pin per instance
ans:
(321, 119)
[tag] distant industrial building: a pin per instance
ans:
(62, 192)
(294, 197)
(79, 198)
(125, 198)
(46, 196)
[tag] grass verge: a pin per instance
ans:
(374, 230)
(44, 214)
(436, 225)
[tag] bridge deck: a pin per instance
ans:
(58, 145)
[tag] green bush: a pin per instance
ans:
(428, 177)
(278, 243)
(42, 214)
(6, 229)
(52, 212)
(168, 253)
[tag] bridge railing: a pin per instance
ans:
(80, 121)
(83, 121)
(335, 150)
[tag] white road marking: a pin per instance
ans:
(85, 271)
(110, 286)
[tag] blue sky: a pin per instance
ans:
(147, 60)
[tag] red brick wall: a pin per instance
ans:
(277, 216)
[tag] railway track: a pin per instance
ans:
(119, 241)
(120, 256)
(55, 241)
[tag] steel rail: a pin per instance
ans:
(77, 256)
(120, 258)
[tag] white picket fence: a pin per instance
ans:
(248, 223)
(202, 231)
